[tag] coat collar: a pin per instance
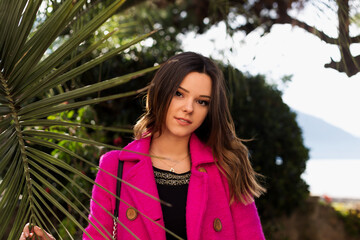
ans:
(200, 153)
(133, 149)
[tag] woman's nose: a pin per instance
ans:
(188, 107)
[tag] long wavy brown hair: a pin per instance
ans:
(217, 130)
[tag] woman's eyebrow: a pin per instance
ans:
(185, 90)
(205, 96)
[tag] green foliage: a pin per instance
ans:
(356, 19)
(350, 217)
(68, 227)
(351, 220)
(275, 141)
(41, 167)
(84, 115)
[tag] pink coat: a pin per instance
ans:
(207, 201)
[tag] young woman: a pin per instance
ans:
(190, 157)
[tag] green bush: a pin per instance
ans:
(350, 217)
(276, 145)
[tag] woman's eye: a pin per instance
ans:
(177, 93)
(203, 102)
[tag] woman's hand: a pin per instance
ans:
(41, 234)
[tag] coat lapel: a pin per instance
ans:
(196, 204)
(141, 175)
(198, 188)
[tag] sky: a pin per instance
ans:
(322, 92)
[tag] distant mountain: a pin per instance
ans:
(326, 141)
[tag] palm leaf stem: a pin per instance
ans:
(57, 171)
(59, 163)
(53, 135)
(60, 98)
(7, 152)
(6, 134)
(22, 31)
(5, 7)
(11, 199)
(53, 79)
(63, 165)
(61, 108)
(51, 167)
(64, 50)
(59, 194)
(38, 196)
(46, 123)
(21, 217)
(4, 110)
(2, 98)
(40, 217)
(10, 20)
(32, 55)
(40, 223)
(29, 85)
(58, 205)
(20, 139)
(50, 176)
(6, 180)
(44, 36)
(5, 162)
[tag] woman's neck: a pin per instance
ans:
(170, 147)
(170, 153)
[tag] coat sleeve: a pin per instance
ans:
(101, 222)
(247, 221)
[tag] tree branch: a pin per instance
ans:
(308, 28)
(267, 21)
(350, 69)
(355, 39)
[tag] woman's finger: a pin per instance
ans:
(42, 234)
(22, 236)
(26, 230)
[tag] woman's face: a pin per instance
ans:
(189, 106)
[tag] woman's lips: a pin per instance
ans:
(183, 121)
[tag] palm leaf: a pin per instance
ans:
(28, 172)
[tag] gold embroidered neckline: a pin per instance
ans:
(164, 177)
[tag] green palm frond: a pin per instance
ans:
(28, 172)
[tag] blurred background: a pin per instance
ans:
(292, 69)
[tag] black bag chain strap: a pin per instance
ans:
(117, 201)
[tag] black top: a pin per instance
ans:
(173, 188)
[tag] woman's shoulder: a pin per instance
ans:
(115, 155)
(110, 154)
(108, 159)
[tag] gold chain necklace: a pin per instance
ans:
(162, 159)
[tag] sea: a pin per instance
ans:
(334, 178)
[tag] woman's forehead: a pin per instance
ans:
(197, 83)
